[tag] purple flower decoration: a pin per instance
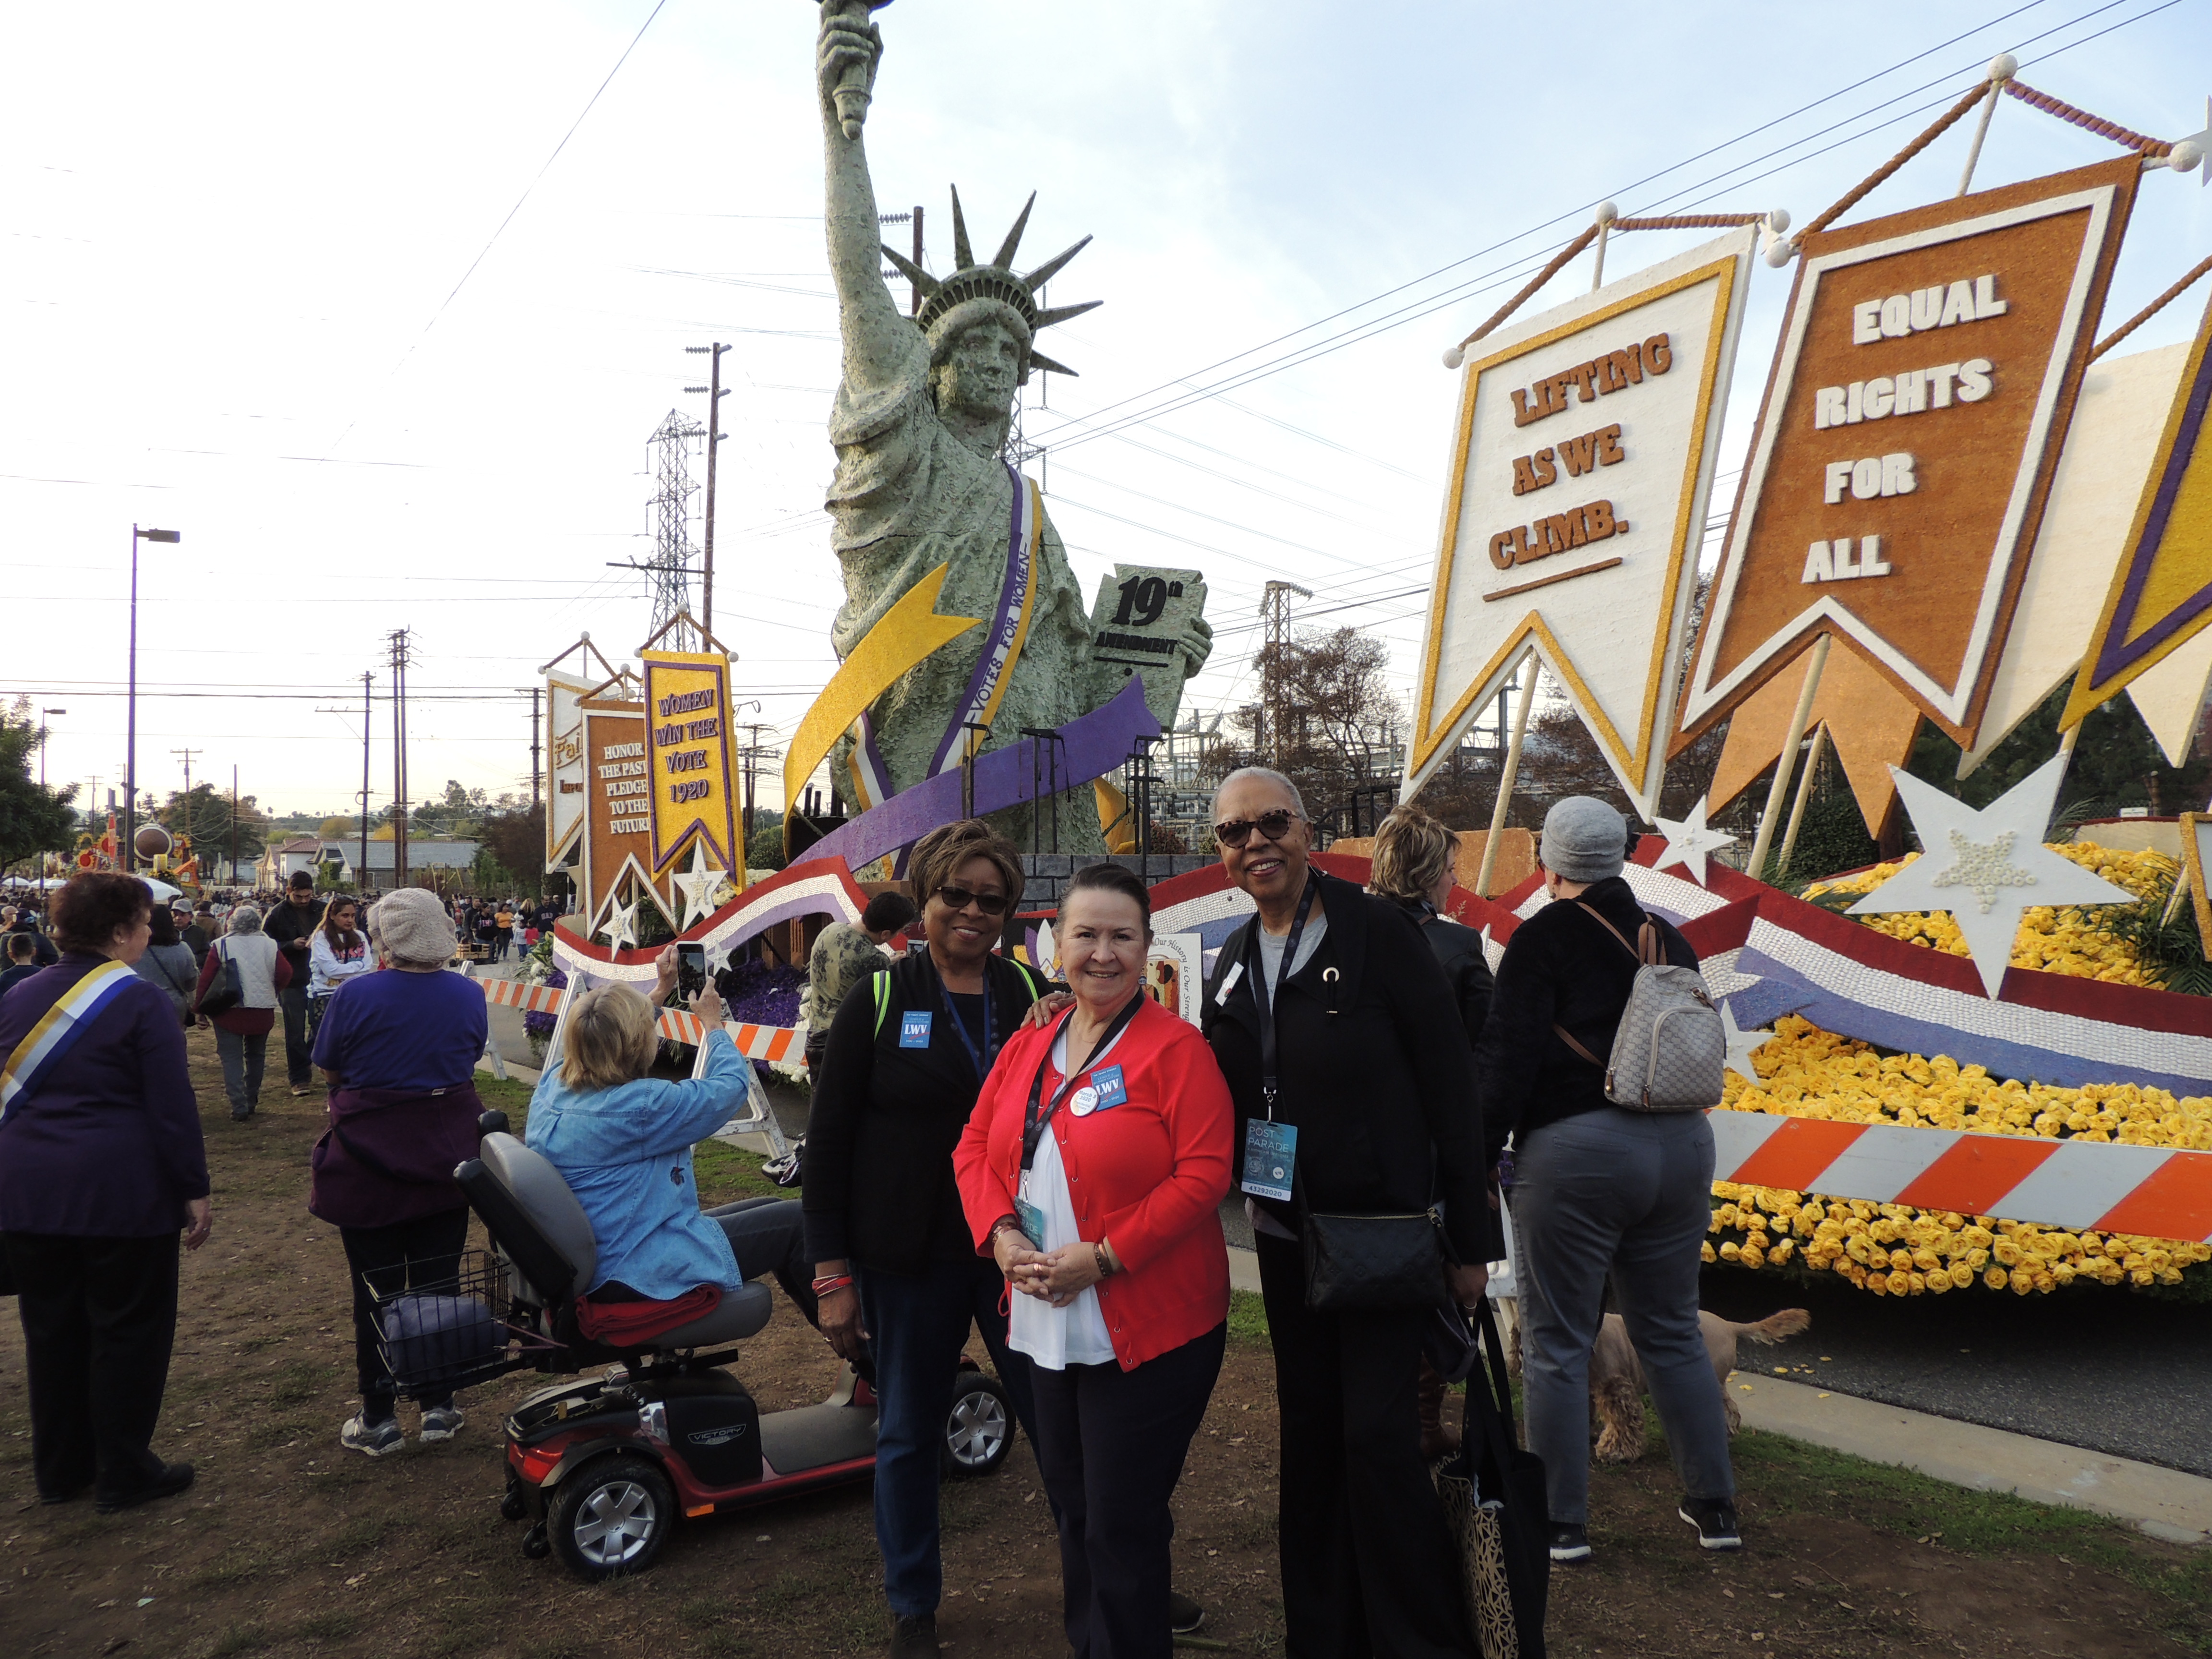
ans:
(756, 993)
(539, 1023)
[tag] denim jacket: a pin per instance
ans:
(626, 1153)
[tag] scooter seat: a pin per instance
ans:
(741, 1312)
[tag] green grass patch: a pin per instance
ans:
(297, 1383)
(238, 1638)
(1793, 1476)
(334, 1626)
(725, 1174)
(1248, 1319)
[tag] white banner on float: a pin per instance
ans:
(564, 773)
(1581, 464)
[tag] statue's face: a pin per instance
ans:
(978, 379)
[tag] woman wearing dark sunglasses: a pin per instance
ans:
(1371, 1111)
(900, 1281)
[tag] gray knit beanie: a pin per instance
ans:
(412, 928)
(1584, 839)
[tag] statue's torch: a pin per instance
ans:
(851, 89)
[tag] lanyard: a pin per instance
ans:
(1263, 995)
(981, 1058)
(1033, 1125)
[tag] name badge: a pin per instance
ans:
(1271, 1157)
(1229, 982)
(913, 1030)
(1032, 1222)
(1112, 1091)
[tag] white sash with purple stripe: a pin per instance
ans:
(1010, 626)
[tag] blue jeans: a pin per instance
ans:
(1628, 1195)
(918, 1324)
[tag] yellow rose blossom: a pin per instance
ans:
(1897, 1251)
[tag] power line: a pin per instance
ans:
(501, 230)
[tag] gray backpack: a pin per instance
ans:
(1671, 1048)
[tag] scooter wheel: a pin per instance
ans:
(979, 1430)
(611, 1516)
(535, 1544)
(511, 1507)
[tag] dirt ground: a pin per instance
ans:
(289, 1545)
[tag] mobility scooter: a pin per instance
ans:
(603, 1463)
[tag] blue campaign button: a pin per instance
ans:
(1112, 1091)
(913, 1030)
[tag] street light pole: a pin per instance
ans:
(714, 396)
(43, 713)
(130, 848)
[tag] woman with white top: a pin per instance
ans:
(1091, 1171)
(340, 952)
(241, 1030)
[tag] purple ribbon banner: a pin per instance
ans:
(1093, 746)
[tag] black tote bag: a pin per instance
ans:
(1494, 1493)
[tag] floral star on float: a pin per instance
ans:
(620, 928)
(1689, 841)
(698, 886)
(1741, 1045)
(1996, 855)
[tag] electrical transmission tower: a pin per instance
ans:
(1275, 624)
(668, 571)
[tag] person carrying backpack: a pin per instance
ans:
(1612, 1165)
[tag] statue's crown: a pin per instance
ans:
(995, 280)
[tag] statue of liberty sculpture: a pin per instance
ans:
(923, 481)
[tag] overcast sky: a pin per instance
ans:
(234, 239)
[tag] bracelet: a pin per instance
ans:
(991, 1239)
(829, 1282)
(1105, 1263)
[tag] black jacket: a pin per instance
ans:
(48, 954)
(1458, 950)
(1373, 1069)
(292, 928)
(1561, 968)
(879, 1137)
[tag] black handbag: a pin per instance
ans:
(1373, 1263)
(1494, 1495)
(227, 990)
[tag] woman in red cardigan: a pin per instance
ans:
(1092, 1168)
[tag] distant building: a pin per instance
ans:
(429, 862)
(283, 859)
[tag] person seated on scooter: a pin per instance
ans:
(623, 1141)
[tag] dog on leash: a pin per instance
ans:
(1616, 1378)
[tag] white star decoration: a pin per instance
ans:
(1741, 1044)
(1689, 841)
(1981, 848)
(698, 886)
(620, 928)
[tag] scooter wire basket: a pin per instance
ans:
(447, 1334)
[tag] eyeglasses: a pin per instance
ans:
(959, 898)
(1270, 826)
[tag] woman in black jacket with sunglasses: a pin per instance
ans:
(899, 1281)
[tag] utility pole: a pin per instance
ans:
(367, 709)
(233, 825)
(714, 396)
(752, 754)
(535, 690)
(188, 754)
(400, 658)
(1275, 621)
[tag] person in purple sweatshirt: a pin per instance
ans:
(398, 1049)
(101, 1170)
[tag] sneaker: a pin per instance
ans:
(1570, 1540)
(372, 1439)
(1185, 1616)
(1716, 1524)
(299, 1092)
(441, 1423)
(173, 1479)
(913, 1636)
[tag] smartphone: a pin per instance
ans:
(690, 969)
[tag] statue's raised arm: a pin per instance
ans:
(875, 336)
